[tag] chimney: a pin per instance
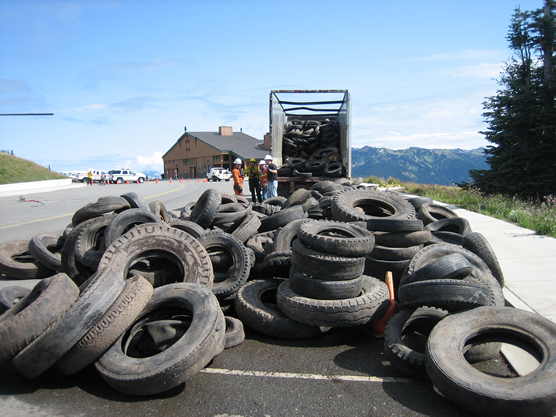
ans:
(266, 142)
(226, 131)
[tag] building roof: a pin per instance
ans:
(239, 144)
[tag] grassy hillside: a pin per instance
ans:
(14, 169)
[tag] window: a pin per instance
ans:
(216, 158)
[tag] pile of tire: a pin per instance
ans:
(127, 281)
(311, 148)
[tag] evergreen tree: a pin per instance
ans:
(521, 117)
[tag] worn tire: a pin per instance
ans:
(449, 266)
(281, 218)
(256, 306)
(102, 206)
(126, 220)
(533, 394)
(430, 213)
(323, 265)
(17, 262)
(402, 239)
(334, 313)
(235, 334)
(189, 227)
(90, 246)
(198, 345)
(46, 248)
(10, 296)
(340, 239)
(320, 289)
(97, 295)
(205, 208)
(160, 241)
(39, 309)
(478, 244)
(117, 319)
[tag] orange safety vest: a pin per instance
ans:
(263, 177)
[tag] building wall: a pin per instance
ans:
(192, 158)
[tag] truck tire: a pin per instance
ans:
(323, 265)
(126, 220)
(281, 218)
(457, 225)
(135, 200)
(402, 239)
(235, 334)
(46, 248)
(287, 234)
(205, 209)
(164, 242)
(436, 251)
(10, 296)
(341, 239)
(394, 254)
(102, 206)
(186, 356)
(449, 266)
(189, 227)
(39, 309)
(363, 205)
(117, 319)
(17, 262)
(430, 213)
(478, 244)
(256, 307)
(529, 395)
(320, 289)
(90, 244)
(97, 295)
(334, 313)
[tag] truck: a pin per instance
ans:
(309, 137)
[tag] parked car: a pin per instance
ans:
(119, 176)
(219, 174)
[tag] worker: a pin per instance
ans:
(90, 176)
(237, 176)
(272, 177)
(262, 168)
(254, 175)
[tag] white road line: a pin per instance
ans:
(346, 378)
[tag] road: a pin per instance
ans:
(341, 373)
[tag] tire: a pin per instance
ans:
(405, 338)
(163, 242)
(324, 266)
(278, 263)
(72, 266)
(300, 197)
(189, 227)
(39, 309)
(430, 213)
(321, 289)
(449, 266)
(10, 296)
(334, 313)
(394, 225)
(394, 254)
(17, 262)
(374, 204)
(159, 209)
(281, 218)
(378, 268)
(190, 351)
(287, 234)
(239, 271)
(141, 180)
(418, 201)
(102, 206)
(457, 225)
(205, 209)
(436, 251)
(529, 395)
(117, 319)
(135, 200)
(247, 228)
(125, 221)
(90, 245)
(450, 238)
(235, 333)
(402, 239)
(97, 295)
(447, 294)
(478, 244)
(333, 169)
(46, 248)
(256, 307)
(340, 239)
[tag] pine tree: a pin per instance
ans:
(521, 117)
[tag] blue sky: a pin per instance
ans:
(123, 78)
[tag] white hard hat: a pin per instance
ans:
(268, 157)
(262, 162)
(237, 161)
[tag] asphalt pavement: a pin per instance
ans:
(341, 373)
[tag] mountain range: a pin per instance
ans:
(423, 166)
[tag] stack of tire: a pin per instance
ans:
(311, 148)
(326, 286)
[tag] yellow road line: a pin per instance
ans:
(71, 214)
(167, 192)
(36, 221)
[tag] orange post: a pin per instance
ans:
(127, 182)
(379, 324)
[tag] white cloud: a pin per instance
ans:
(475, 71)
(465, 54)
(150, 163)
